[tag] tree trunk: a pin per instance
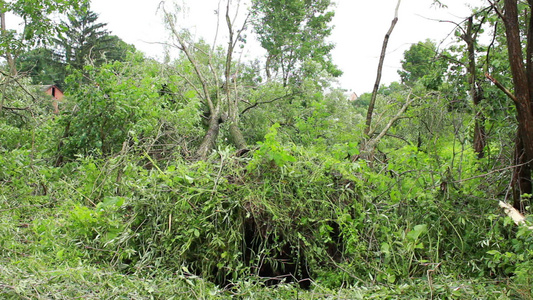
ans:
(480, 140)
(231, 78)
(209, 141)
(521, 82)
(267, 68)
(521, 182)
(475, 92)
(380, 69)
(8, 54)
(236, 136)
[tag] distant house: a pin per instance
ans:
(55, 92)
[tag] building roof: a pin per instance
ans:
(45, 87)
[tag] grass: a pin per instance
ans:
(32, 279)
(57, 246)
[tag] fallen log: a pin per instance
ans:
(515, 215)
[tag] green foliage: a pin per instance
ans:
(103, 200)
(39, 22)
(87, 42)
(516, 261)
(190, 219)
(421, 63)
(120, 103)
(294, 33)
(271, 150)
(107, 110)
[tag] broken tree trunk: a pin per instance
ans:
(514, 214)
(380, 69)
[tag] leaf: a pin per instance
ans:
(190, 94)
(417, 231)
(391, 278)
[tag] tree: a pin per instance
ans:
(522, 75)
(86, 39)
(470, 37)
(38, 24)
(421, 63)
(370, 110)
(7, 46)
(294, 32)
(43, 65)
(117, 102)
(82, 40)
(220, 98)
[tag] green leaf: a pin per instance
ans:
(417, 231)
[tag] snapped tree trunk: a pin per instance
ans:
(236, 136)
(515, 215)
(380, 69)
(216, 107)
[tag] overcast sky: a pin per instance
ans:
(360, 26)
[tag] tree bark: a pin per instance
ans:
(480, 134)
(521, 181)
(210, 137)
(522, 89)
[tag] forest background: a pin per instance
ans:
(207, 175)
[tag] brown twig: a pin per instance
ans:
(17, 108)
(267, 102)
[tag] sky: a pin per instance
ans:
(359, 29)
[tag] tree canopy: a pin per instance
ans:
(39, 25)
(294, 33)
(421, 63)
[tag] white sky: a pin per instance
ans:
(360, 26)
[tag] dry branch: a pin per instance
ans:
(380, 69)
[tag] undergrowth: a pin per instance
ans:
(230, 225)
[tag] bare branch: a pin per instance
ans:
(184, 47)
(23, 87)
(398, 115)
(380, 69)
(501, 87)
(17, 108)
(493, 171)
(266, 102)
(500, 14)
